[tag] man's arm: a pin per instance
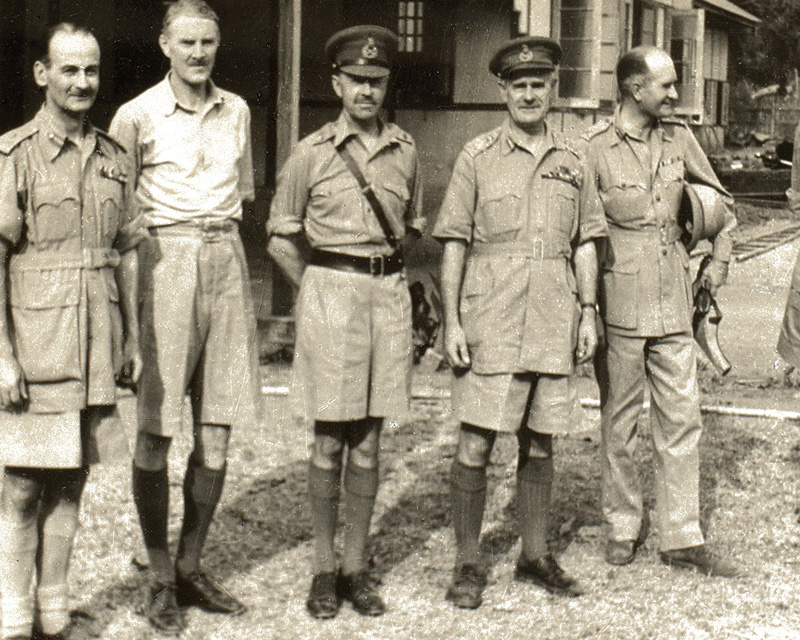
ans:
(12, 381)
(585, 262)
(285, 251)
(127, 280)
(455, 341)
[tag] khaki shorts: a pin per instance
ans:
(353, 346)
(506, 402)
(197, 329)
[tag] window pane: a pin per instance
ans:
(419, 8)
(575, 84)
(419, 27)
(409, 44)
(419, 45)
(410, 9)
(410, 27)
(401, 27)
(401, 9)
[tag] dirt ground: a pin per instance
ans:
(260, 548)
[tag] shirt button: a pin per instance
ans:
(664, 251)
(658, 197)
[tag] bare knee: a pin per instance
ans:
(20, 494)
(151, 451)
(328, 445)
(364, 444)
(211, 445)
(474, 446)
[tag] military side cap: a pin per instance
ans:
(531, 53)
(365, 50)
(701, 215)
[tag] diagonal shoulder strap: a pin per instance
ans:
(369, 194)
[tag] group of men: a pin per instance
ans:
(121, 262)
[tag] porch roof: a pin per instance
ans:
(731, 10)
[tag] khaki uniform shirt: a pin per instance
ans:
(521, 210)
(190, 165)
(62, 205)
(317, 194)
(645, 287)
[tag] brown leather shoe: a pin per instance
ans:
(466, 589)
(201, 591)
(162, 609)
(323, 600)
(700, 559)
(620, 552)
(359, 590)
(545, 572)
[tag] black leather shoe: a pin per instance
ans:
(545, 572)
(162, 609)
(620, 552)
(701, 560)
(323, 598)
(359, 590)
(466, 590)
(201, 591)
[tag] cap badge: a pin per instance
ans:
(369, 50)
(525, 55)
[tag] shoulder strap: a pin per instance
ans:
(369, 194)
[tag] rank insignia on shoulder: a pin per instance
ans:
(595, 129)
(113, 173)
(565, 174)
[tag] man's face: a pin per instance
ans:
(191, 44)
(657, 94)
(528, 97)
(72, 78)
(362, 97)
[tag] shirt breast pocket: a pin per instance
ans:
(55, 214)
(501, 215)
(563, 199)
(109, 196)
(672, 169)
(44, 314)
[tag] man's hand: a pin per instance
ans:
(132, 363)
(714, 276)
(587, 335)
(455, 346)
(13, 391)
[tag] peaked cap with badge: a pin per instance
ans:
(529, 53)
(365, 50)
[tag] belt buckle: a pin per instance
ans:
(213, 230)
(377, 265)
(538, 249)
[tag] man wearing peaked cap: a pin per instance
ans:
(518, 224)
(367, 51)
(352, 192)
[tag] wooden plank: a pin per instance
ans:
(288, 103)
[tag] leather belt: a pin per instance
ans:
(376, 265)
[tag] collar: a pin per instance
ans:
(622, 131)
(511, 138)
(172, 104)
(342, 129)
(54, 137)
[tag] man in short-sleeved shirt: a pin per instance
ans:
(354, 346)
(519, 271)
(640, 160)
(191, 144)
(63, 192)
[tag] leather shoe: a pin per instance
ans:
(700, 559)
(162, 609)
(323, 598)
(545, 572)
(359, 590)
(198, 589)
(620, 552)
(466, 589)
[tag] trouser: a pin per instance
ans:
(668, 364)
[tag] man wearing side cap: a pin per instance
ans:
(351, 191)
(519, 271)
(639, 162)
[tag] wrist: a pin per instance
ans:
(588, 306)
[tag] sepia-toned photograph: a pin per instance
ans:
(400, 319)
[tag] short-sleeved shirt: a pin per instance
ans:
(644, 285)
(62, 209)
(317, 194)
(522, 210)
(190, 164)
